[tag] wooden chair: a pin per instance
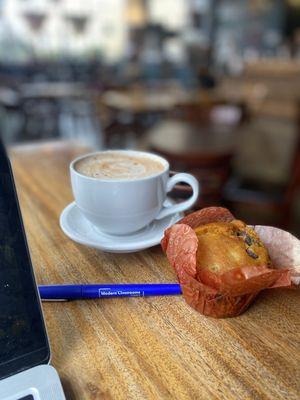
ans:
(266, 204)
(194, 140)
(130, 112)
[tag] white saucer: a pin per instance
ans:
(79, 229)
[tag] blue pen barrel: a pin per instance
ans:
(73, 292)
(60, 292)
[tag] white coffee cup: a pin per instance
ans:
(120, 207)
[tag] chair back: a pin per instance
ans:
(207, 134)
(210, 112)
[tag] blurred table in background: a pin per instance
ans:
(134, 110)
(179, 137)
(273, 67)
(260, 99)
(142, 101)
(53, 90)
(200, 139)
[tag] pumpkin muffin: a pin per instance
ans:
(221, 263)
(223, 246)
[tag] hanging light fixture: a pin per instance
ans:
(78, 22)
(35, 20)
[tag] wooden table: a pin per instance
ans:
(178, 137)
(142, 100)
(146, 348)
(54, 90)
(133, 110)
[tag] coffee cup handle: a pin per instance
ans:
(186, 178)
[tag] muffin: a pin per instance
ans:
(223, 246)
(221, 263)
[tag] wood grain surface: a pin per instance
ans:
(145, 348)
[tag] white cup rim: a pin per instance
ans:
(123, 181)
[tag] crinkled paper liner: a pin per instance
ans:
(234, 290)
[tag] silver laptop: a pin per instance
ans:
(25, 373)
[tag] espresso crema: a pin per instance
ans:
(118, 165)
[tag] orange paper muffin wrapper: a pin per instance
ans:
(230, 293)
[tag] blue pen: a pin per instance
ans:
(76, 292)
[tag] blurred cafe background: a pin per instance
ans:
(212, 85)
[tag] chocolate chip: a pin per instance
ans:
(248, 240)
(251, 253)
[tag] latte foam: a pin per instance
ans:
(118, 166)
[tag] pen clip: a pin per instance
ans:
(52, 300)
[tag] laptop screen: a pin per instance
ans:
(23, 340)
